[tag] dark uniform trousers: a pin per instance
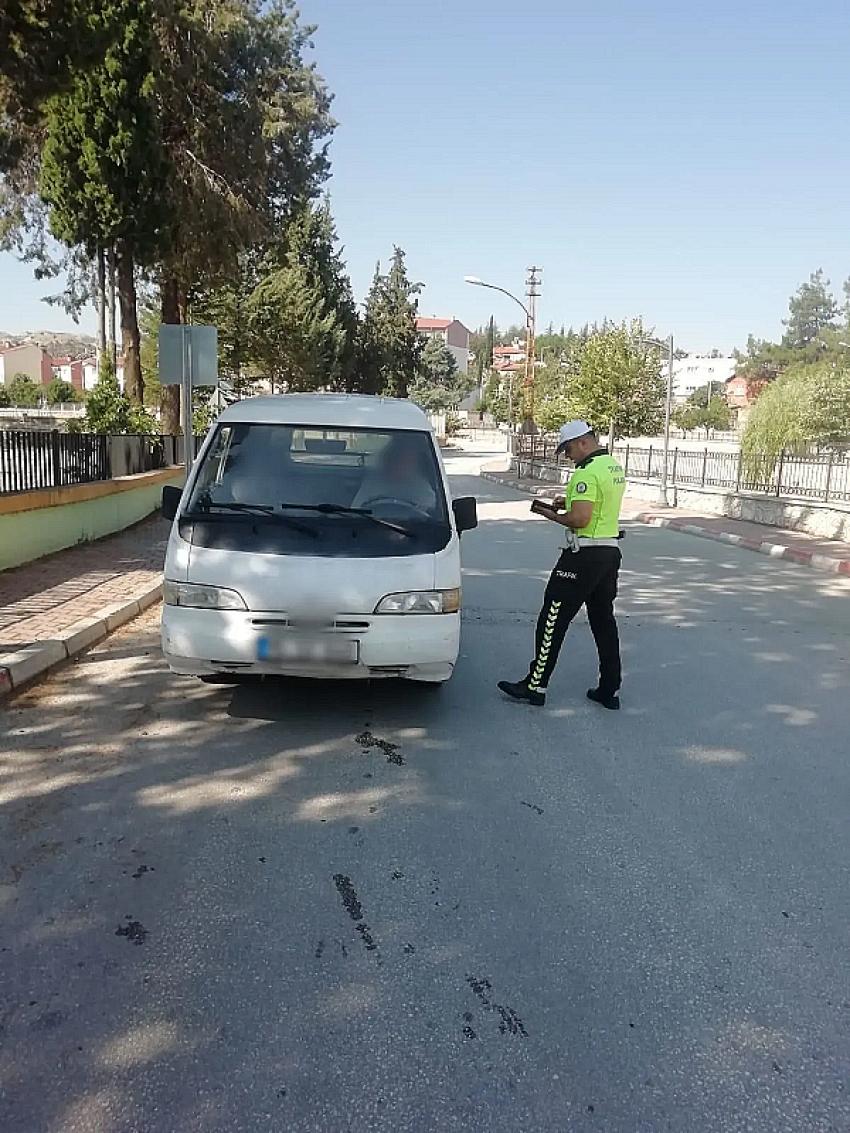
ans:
(581, 578)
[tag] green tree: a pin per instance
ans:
(61, 393)
(553, 410)
(700, 415)
(110, 412)
(810, 310)
(703, 395)
(501, 398)
(829, 390)
(439, 385)
(149, 324)
(5, 399)
(481, 344)
(391, 345)
(808, 404)
(247, 117)
(226, 306)
(301, 313)
(24, 391)
(618, 386)
(103, 165)
(238, 134)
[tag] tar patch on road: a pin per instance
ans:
(352, 906)
(509, 1021)
(135, 931)
(532, 806)
(367, 741)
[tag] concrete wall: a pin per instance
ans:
(33, 524)
(826, 521)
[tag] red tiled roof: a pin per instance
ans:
(434, 324)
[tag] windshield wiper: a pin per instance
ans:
(264, 510)
(250, 509)
(339, 509)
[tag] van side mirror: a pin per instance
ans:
(466, 514)
(170, 500)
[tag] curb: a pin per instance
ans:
(797, 555)
(503, 482)
(23, 666)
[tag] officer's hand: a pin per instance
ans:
(543, 507)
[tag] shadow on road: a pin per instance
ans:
(165, 836)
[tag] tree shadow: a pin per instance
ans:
(287, 905)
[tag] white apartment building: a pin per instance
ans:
(696, 370)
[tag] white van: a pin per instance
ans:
(315, 538)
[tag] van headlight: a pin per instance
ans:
(420, 602)
(201, 597)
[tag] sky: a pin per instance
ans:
(687, 163)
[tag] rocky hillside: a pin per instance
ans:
(58, 344)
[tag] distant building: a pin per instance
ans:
(69, 370)
(89, 368)
(29, 360)
(697, 370)
(741, 395)
(509, 358)
(453, 333)
(89, 373)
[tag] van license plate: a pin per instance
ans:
(306, 648)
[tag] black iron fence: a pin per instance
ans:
(816, 476)
(30, 460)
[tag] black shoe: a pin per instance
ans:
(521, 691)
(611, 702)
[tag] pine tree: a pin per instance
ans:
(440, 385)
(103, 163)
(391, 346)
(811, 310)
(226, 307)
(301, 313)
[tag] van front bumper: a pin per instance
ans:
(420, 647)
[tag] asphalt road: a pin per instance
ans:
(321, 908)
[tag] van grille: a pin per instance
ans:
(344, 625)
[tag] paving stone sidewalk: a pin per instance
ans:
(40, 601)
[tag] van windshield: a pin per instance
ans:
(290, 489)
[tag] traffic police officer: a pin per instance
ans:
(586, 573)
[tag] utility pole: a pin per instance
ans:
(533, 284)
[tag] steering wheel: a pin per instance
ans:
(396, 502)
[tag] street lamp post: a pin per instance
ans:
(529, 326)
(663, 499)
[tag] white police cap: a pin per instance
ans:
(571, 431)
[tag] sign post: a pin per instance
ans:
(188, 357)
